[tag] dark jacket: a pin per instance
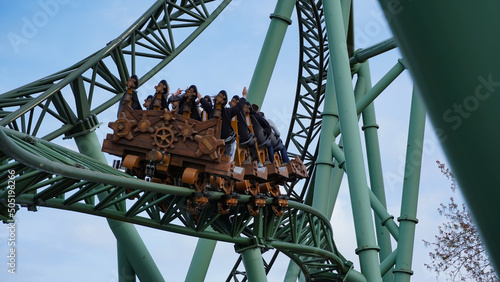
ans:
(135, 102)
(182, 100)
(226, 115)
(164, 102)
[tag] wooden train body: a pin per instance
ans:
(165, 147)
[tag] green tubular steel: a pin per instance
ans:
(299, 219)
(146, 33)
(464, 113)
(376, 90)
(313, 53)
(365, 234)
(413, 163)
(370, 128)
(324, 162)
(201, 260)
(298, 232)
(125, 270)
(360, 56)
(126, 235)
(280, 20)
(252, 260)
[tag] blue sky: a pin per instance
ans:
(60, 246)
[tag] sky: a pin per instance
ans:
(39, 38)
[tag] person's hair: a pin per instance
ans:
(236, 97)
(136, 81)
(195, 89)
(224, 93)
(208, 98)
(149, 97)
(255, 107)
(165, 89)
(262, 114)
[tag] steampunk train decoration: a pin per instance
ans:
(165, 146)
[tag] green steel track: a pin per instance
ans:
(56, 177)
(324, 133)
(67, 180)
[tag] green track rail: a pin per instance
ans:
(66, 104)
(53, 176)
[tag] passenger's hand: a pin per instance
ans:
(244, 92)
(179, 91)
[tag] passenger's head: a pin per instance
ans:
(234, 101)
(208, 99)
(221, 97)
(133, 81)
(194, 89)
(247, 108)
(166, 87)
(192, 92)
(148, 101)
(255, 108)
(162, 86)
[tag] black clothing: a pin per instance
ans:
(135, 102)
(226, 115)
(182, 99)
(164, 102)
(263, 132)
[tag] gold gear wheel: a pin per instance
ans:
(164, 137)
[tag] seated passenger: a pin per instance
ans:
(262, 130)
(226, 114)
(246, 137)
(206, 115)
(277, 143)
(130, 96)
(187, 102)
(160, 100)
(147, 102)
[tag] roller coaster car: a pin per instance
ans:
(165, 147)
(160, 144)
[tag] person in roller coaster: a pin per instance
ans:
(147, 102)
(187, 102)
(131, 95)
(220, 110)
(246, 137)
(205, 115)
(262, 130)
(160, 98)
(276, 141)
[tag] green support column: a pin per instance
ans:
(409, 202)
(453, 55)
(323, 185)
(125, 270)
(254, 266)
(125, 233)
(324, 162)
(370, 128)
(360, 201)
(280, 20)
(201, 260)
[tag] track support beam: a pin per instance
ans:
(356, 174)
(409, 202)
(136, 252)
(280, 20)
